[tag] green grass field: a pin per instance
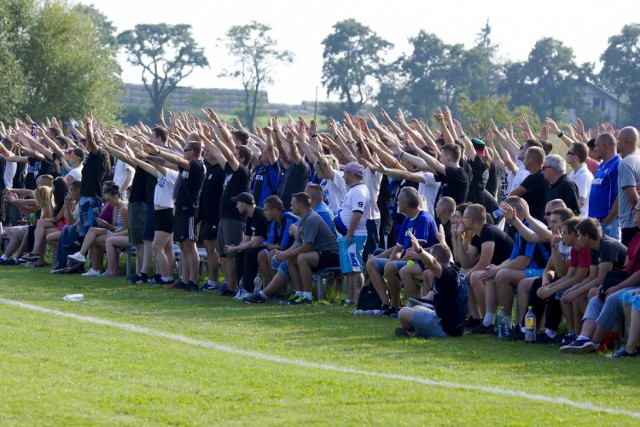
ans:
(272, 365)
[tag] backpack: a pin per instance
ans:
(369, 299)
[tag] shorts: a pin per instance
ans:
(185, 227)
(164, 220)
(280, 267)
(208, 231)
(328, 260)
(351, 254)
(137, 215)
(230, 232)
(427, 323)
(149, 229)
(533, 272)
(381, 262)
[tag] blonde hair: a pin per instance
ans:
(42, 196)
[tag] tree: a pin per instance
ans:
(621, 68)
(256, 55)
(52, 63)
(353, 62)
(167, 55)
(105, 28)
(548, 81)
(496, 108)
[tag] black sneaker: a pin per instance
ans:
(514, 335)
(568, 338)
(10, 261)
(482, 330)
(73, 269)
(58, 269)
(191, 287)
(579, 346)
(155, 279)
(253, 299)
(178, 285)
(139, 279)
(543, 338)
(472, 322)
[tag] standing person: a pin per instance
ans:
(628, 180)
(95, 168)
(603, 202)
(296, 170)
(186, 195)
(267, 175)
(580, 174)
(534, 188)
(351, 223)
(560, 186)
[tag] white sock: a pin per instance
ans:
(167, 279)
(3, 257)
(308, 295)
(212, 283)
(299, 293)
(489, 318)
(583, 337)
(550, 333)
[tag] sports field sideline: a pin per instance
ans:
(131, 355)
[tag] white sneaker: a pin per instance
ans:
(91, 272)
(77, 257)
(239, 294)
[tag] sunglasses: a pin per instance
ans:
(187, 149)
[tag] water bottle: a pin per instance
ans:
(73, 297)
(503, 324)
(359, 312)
(530, 326)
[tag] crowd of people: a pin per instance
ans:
(464, 225)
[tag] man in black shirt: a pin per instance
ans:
(561, 187)
(256, 231)
(93, 173)
(187, 194)
(534, 188)
(296, 170)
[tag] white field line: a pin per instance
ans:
(301, 363)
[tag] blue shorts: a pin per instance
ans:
(351, 254)
(533, 272)
(381, 262)
(427, 323)
(280, 266)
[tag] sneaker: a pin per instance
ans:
(58, 269)
(568, 338)
(622, 353)
(29, 256)
(107, 274)
(239, 294)
(208, 287)
(74, 269)
(480, 329)
(403, 333)
(139, 279)
(579, 346)
(191, 287)
(543, 338)
(178, 285)
(514, 335)
(223, 289)
(91, 272)
(12, 261)
(301, 300)
(253, 299)
(161, 282)
(153, 280)
(77, 258)
(472, 322)
(289, 300)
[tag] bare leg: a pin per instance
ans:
(213, 263)
(160, 240)
(307, 262)
(378, 282)
(393, 284)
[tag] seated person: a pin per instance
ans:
(450, 298)
(631, 306)
(604, 310)
(393, 260)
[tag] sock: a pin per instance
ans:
(299, 293)
(212, 283)
(550, 333)
(308, 295)
(3, 257)
(262, 295)
(583, 337)
(489, 318)
(167, 279)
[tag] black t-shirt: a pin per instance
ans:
(383, 201)
(564, 189)
(36, 167)
(295, 180)
(211, 193)
(152, 181)
(503, 243)
(3, 166)
(449, 300)
(479, 176)
(93, 173)
(611, 250)
(536, 195)
(257, 225)
(493, 181)
(188, 187)
(454, 183)
(20, 176)
(139, 186)
(234, 183)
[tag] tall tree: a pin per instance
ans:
(166, 53)
(353, 62)
(256, 56)
(548, 80)
(621, 68)
(52, 63)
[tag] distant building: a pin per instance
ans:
(599, 98)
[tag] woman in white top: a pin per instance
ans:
(333, 186)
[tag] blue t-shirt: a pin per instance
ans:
(423, 226)
(537, 252)
(323, 210)
(279, 231)
(604, 188)
(265, 182)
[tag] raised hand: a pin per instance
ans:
(552, 125)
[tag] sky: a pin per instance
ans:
(300, 27)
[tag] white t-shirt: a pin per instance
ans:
(76, 173)
(9, 174)
(163, 194)
(582, 178)
(372, 181)
(357, 199)
(120, 173)
(429, 190)
(519, 177)
(334, 190)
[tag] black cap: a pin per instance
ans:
(244, 198)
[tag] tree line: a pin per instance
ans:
(60, 58)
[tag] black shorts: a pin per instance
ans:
(150, 223)
(164, 220)
(185, 227)
(208, 231)
(328, 260)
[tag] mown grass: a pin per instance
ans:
(60, 371)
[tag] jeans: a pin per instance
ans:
(68, 235)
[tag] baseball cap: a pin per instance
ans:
(244, 197)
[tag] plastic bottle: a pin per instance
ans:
(502, 320)
(530, 326)
(359, 313)
(73, 297)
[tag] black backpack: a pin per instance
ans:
(369, 299)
